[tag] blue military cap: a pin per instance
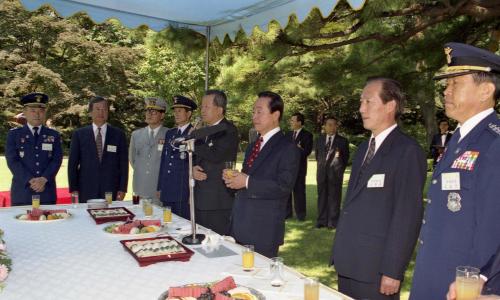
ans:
(464, 59)
(181, 101)
(156, 104)
(35, 100)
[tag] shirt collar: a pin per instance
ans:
(266, 137)
(468, 125)
(155, 131)
(379, 139)
(32, 130)
(297, 131)
(103, 128)
(183, 127)
(216, 123)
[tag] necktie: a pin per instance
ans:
(255, 152)
(370, 153)
(452, 144)
(35, 134)
(98, 142)
(294, 135)
(151, 137)
(329, 143)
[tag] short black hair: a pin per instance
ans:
(330, 117)
(481, 77)
(96, 99)
(444, 120)
(275, 104)
(220, 99)
(391, 90)
(300, 117)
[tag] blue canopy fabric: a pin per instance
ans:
(220, 16)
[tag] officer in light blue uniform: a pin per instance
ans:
(174, 170)
(33, 154)
(461, 226)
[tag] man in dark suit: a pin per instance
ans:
(213, 201)
(382, 213)
(332, 156)
(439, 141)
(266, 181)
(462, 224)
(33, 153)
(98, 158)
(304, 141)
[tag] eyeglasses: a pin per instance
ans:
(153, 111)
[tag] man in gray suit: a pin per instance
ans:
(146, 145)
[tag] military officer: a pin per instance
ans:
(146, 146)
(33, 154)
(461, 226)
(174, 170)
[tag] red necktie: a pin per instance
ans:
(255, 152)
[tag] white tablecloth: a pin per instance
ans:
(76, 259)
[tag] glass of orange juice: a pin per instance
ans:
(167, 214)
(468, 283)
(311, 289)
(35, 201)
(109, 197)
(230, 168)
(247, 256)
(148, 208)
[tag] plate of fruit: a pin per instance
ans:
(134, 228)
(225, 289)
(44, 215)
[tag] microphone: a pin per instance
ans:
(201, 133)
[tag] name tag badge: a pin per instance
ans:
(376, 181)
(450, 181)
(160, 147)
(46, 147)
(111, 148)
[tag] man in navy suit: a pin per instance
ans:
(33, 154)
(381, 217)
(98, 158)
(304, 141)
(173, 182)
(462, 224)
(269, 170)
(439, 141)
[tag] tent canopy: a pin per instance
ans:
(218, 17)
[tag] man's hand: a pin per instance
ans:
(389, 286)
(158, 194)
(234, 180)
(198, 173)
(37, 184)
(120, 195)
(452, 291)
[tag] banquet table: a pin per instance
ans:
(77, 259)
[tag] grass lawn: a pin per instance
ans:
(306, 248)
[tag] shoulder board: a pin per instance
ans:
(495, 128)
(16, 128)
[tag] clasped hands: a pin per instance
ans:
(37, 184)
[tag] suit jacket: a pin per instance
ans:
(173, 181)
(492, 271)
(304, 141)
(91, 177)
(436, 143)
(145, 159)
(258, 216)
(331, 162)
(378, 226)
(28, 159)
(462, 223)
(211, 153)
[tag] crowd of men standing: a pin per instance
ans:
(382, 218)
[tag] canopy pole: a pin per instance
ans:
(207, 57)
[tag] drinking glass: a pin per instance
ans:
(248, 256)
(35, 201)
(74, 199)
(276, 270)
(167, 214)
(468, 283)
(311, 289)
(230, 167)
(148, 208)
(135, 199)
(109, 197)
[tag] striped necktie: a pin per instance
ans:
(98, 142)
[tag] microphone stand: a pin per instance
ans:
(193, 238)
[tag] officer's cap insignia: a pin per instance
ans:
(448, 51)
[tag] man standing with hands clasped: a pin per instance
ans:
(462, 219)
(381, 217)
(98, 158)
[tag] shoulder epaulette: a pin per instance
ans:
(495, 128)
